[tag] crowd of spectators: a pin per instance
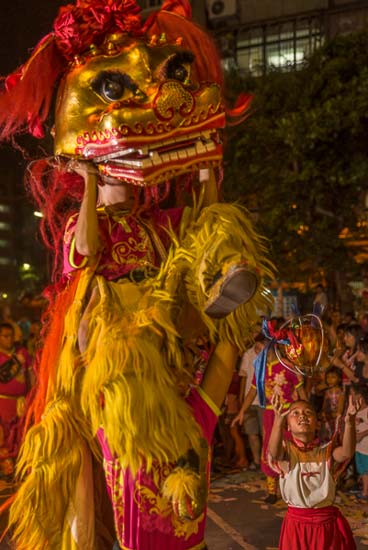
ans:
(19, 340)
(245, 425)
(343, 371)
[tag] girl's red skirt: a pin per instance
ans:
(316, 529)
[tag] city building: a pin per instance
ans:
(253, 35)
(22, 258)
(257, 35)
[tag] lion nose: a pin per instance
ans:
(172, 98)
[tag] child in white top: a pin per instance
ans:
(308, 473)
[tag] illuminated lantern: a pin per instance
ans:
(306, 340)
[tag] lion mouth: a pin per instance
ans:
(155, 162)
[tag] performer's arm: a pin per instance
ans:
(249, 398)
(275, 447)
(219, 372)
(347, 449)
(86, 231)
(241, 395)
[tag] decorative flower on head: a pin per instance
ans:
(78, 26)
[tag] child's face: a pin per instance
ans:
(349, 340)
(302, 420)
(6, 339)
(332, 379)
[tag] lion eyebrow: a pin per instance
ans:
(173, 61)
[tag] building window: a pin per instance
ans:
(4, 208)
(5, 226)
(283, 46)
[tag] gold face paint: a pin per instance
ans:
(136, 110)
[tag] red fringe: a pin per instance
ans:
(46, 370)
(3, 508)
(241, 111)
(57, 194)
(25, 102)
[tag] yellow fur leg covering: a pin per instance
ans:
(221, 237)
(48, 467)
(132, 383)
(51, 457)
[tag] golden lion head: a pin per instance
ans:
(134, 107)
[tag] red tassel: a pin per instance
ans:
(241, 110)
(25, 103)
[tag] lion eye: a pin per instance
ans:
(112, 89)
(178, 66)
(112, 85)
(180, 73)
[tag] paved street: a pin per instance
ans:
(238, 518)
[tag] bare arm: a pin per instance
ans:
(243, 380)
(86, 231)
(347, 449)
(275, 442)
(344, 362)
(249, 398)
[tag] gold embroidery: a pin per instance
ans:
(150, 500)
(70, 228)
(71, 256)
(114, 476)
(132, 249)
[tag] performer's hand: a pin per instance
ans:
(347, 358)
(238, 419)
(277, 406)
(83, 168)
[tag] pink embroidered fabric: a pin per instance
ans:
(144, 519)
(127, 241)
(12, 404)
(281, 381)
(16, 387)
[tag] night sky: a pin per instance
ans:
(22, 25)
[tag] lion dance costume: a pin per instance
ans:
(118, 437)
